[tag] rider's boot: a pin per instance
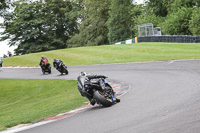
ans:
(117, 100)
(90, 98)
(92, 101)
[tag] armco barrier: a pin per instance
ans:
(171, 38)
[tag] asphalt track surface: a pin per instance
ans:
(164, 98)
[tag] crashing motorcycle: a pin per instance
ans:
(46, 68)
(96, 89)
(60, 66)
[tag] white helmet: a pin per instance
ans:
(83, 74)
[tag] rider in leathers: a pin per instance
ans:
(84, 77)
(43, 61)
(57, 63)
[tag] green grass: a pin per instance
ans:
(107, 54)
(25, 101)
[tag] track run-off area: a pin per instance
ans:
(164, 97)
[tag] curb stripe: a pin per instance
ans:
(58, 117)
(19, 67)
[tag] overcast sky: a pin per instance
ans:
(139, 1)
(4, 48)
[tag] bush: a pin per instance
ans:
(178, 23)
(194, 24)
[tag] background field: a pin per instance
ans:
(107, 54)
(25, 101)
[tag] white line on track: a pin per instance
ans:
(115, 63)
(139, 62)
(171, 62)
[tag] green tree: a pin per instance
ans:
(178, 23)
(93, 29)
(119, 23)
(4, 4)
(194, 24)
(172, 15)
(175, 5)
(136, 12)
(158, 7)
(142, 15)
(40, 26)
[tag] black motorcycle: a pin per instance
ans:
(60, 66)
(96, 89)
(46, 68)
(1, 62)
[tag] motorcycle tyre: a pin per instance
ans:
(66, 72)
(61, 72)
(102, 100)
(49, 70)
(43, 71)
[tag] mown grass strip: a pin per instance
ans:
(24, 100)
(107, 54)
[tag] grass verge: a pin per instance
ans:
(24, 100)
(107, 54)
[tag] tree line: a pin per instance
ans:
(43, 25)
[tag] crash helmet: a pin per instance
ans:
(83, 74)
(55, 59)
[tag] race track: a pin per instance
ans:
(164, 98)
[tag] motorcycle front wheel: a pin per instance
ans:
(43, 71)
(101, 99)
(49, 71)
(66, 72)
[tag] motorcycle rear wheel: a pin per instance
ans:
(101, 99)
